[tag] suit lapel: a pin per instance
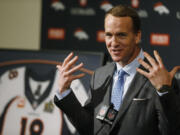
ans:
(133, 90)
(107, 97)
(103, 76)
(103, 86)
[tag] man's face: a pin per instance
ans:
(121, 40)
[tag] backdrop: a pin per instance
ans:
(78, 25)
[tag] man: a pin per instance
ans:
(144, 102)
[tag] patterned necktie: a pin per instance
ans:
(118, 89)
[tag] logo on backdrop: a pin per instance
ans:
(82, 11)
(81, 34)
(56, 33)
(135, 3)
(106, 5)
(100, 36)
(142, 13)
(160, 39)
(83, 3)
(57, 5)
(161, 9)
(178, 15)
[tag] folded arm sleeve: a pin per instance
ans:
(80, 117)
(171, 106)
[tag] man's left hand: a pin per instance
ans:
(158, 74)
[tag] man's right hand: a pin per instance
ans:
(66, 71)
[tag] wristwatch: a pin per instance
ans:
(165, 88)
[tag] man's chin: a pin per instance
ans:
(115, 59)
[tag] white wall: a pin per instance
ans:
(20, 24)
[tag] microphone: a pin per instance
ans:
(107, 114)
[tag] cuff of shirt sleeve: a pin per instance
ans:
(162, 93)
(62, 95)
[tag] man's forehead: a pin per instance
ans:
(118, 22)
(110, 17)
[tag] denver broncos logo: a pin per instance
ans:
(161, 9)
(58, 6)
(81, 34)
(106, 6)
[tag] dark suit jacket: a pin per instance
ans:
(143, 111)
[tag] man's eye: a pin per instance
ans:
(108, 35)
(121, 35)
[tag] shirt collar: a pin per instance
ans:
(131, 67)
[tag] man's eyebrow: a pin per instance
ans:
(121, 33)
(108, 33)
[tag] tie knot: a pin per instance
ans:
(121, 73)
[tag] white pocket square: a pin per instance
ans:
(139, 99)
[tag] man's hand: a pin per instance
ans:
(66, 71)
(158, 74)
(174, 70)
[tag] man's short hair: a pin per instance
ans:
(126, 11)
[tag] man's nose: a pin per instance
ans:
(114, 41)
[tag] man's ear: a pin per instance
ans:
(138, 37)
